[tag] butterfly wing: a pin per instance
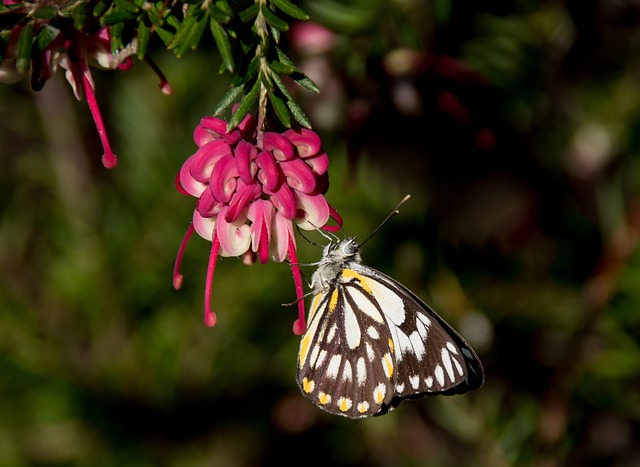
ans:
(371, 343)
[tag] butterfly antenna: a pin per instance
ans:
(388, 218)
(309, 241)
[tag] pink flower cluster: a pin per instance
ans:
(251, 190)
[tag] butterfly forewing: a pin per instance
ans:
(371, 343)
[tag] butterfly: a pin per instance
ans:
(371, 342)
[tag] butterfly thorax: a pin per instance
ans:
(336, 257)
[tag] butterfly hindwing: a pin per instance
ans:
(371, 342)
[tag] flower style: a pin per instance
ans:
(251, 190)
(72, 49)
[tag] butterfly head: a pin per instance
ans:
(335, 257)
(342, 251)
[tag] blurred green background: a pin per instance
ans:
(514, 127)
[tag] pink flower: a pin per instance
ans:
(251, 191)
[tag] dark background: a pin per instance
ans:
(514, 125)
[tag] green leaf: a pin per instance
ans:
(127, 5)
(275, 34)
(24, 47)
(219, 15)
(100, 8)
(79, 15)
(46, 36)
(196, 35)
(46, 12)
(248, 14)
(228, 99)
(154, 15)
(223, 6)
(180, 42)
(143, 36)
(244, 106)
(281, 68)
(291, 9)
(116, 37)
(298, 76)
(280, 108)
(273, 20)
(164, 35)
(116, 15)
(306, 82)
(298, 113)
(223, 44)
(295, 109)
(280, 84)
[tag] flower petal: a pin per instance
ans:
(319, 164)
(190, 184)
(282, 231)
(223, 180)
(207, 206)
(212, 128)
(206, 157)
(284, 201)
(299, 175)
(260, 213)
(268, 173)
(204, 225)
(307, 142)
(244, 195)
(313, 211)
(235, 237)
(279, 146)
(245, 153)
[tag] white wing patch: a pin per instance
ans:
(351, 327)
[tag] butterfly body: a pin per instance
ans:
(371, 342)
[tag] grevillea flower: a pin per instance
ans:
(251, 191)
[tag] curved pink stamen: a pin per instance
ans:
(206, 205)
(284, 201)
(245, 153)
(313, 211)
(212, 128)
(299, 175)
(278, 145)
(268, 173)
(299, 325)
(260, 213)
(244, 195)
(205, 158)
(307, 142)
(235, 238)
(223, 181)
(109, 159)
(177, 277)
(209, 316)
(319, 164)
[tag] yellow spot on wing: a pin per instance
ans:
(351, 274)
(333, 302)
(314, 305)
(388, 365)
(378, 394)
(363, 407)
(345, 404)
(391, 346)
(307, 385)
(304, 349)
(324, 398)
